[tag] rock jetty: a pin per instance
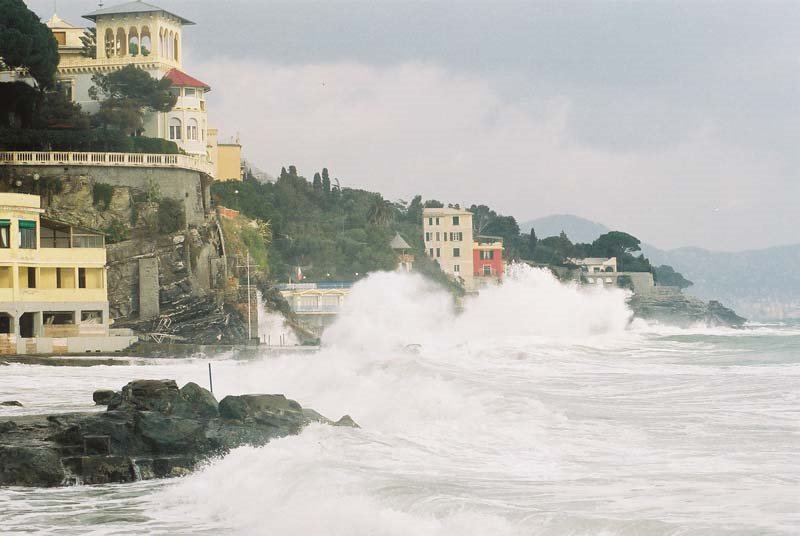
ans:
(150, 429)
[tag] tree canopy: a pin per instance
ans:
(27, 43)
(127, 94)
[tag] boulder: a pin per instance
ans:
(151, 429)
(348, 421)
(30, 465)
(103, 397)
(11, 403)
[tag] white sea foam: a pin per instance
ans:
(539, 410)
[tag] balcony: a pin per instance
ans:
(64, 158)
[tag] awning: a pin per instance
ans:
(27, 224)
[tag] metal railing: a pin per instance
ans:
(60, 158)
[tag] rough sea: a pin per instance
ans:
(540, 410)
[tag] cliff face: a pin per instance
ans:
(192, 298)
(670, 305)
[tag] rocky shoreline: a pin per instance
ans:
(671, 306)
(150, 429)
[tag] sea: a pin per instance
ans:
(537, 409)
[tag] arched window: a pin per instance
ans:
(121, 44)
(170, 40)
(175, 129)
(191, 129)
(175, 54)
(109, 43)
(146, 41)
(133, 41)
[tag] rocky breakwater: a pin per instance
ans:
(670, 305)
(150, 429)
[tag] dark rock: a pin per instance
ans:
(151, 429)
(147, 395)
(7, 426)
(348, 421)
(30, 465)
(196, 401)
(13, 403)
(103, 397)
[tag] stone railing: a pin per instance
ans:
(62, 158)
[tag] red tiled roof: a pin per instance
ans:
(181, 79)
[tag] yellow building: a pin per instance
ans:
(53, 296)
(229, 162)
(448, 241)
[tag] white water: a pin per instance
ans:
(537, 411)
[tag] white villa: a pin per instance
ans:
(150, 38)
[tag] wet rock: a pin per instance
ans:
(30, 465)
(348, 421)
(11, 403)
(103, 397)
(671, 306)
(151, 429)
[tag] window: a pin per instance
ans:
(431, 252)
(189, 92)
(438, 253)
(437, 236)
(456, 252)
(91, 317)
(5, 234)
(175, 128)
(457, 268)
(27, 234)
(81, 277)
(427, 237)
(191, 130)
(457, 237)
(444, 235)
(487, 255)
(61, 38)
(487, 269)
(430, 221)
(456, 220)
(175, 91)
(437, 221)
(31, 277)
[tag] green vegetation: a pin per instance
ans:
(126, 94)
(327, 231)
(101, 195)
(116, 231)
(97, 140)
(666, 275)
(26, 43)
(171, 216)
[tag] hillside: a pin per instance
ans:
(760, 284)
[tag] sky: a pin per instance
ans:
(675, 121)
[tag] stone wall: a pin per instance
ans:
(191, 188)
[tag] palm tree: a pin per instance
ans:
(381, 213)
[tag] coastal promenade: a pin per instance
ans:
(68, 158)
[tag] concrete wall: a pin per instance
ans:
(148, 289)
(183, 185)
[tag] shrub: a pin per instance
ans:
(96, 140)
(171, 217)
(101, 195)
(116, 231)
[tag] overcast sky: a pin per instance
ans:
(678, 122)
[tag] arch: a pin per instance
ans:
(146, 41)
(109, 43)
(121, 44)
(170, 41)
(133, 41)
(175, 51)
(609, 269)
(191, 129)
(175, 128)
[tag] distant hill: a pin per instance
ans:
(578, 229)
(758, 284)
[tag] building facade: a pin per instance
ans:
(448, 241)
(150, 38)
(53, 290)
(487, 260)
(229, 162)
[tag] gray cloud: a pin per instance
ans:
(676, 121)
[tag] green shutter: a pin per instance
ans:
(27, 224)
(5, 223)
